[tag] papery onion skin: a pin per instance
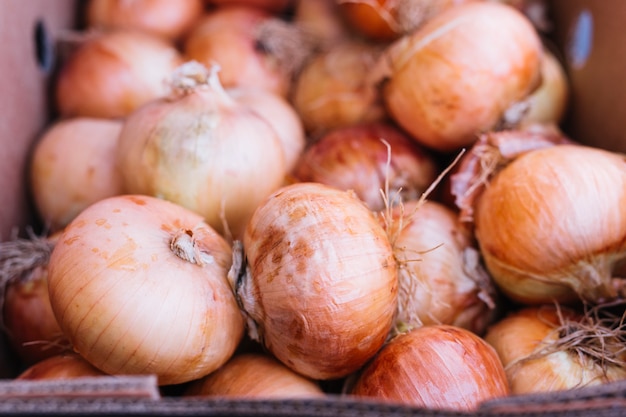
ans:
(61, 366)
(272, 6)
(441, 278)
(321, 291)
(437, 367)
(456, 76)
(525, 332)
(363, 157)
(255, 375)
(170, 19)
(131, 304)
(113, 73)
(550, 225)
(72, 166)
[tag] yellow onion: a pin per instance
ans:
(320, 19)
(273, 6)
(138, 285)
(202, 149)
(65, 365)
(72, 166)
(320, 287)
(455, 77)
(437, 367)
(334, 87)
(170, 19)
(550, 224)
(367, 157)
(547, 349)
(113, 73)
(254, 375)
(441, 277)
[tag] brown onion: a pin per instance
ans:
(320, 19)
(61, 366)
(72, 166)
(456, 76)
(170, 19)
(320, 288)
(441, 277)
(254, 375)
(367, 157)
(202, 149)
(547, 349)
(113, 73)
(139, 286)
(436, 367)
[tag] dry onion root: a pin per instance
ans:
(436, 367)
(139, 286)
(550, 348)
(320, 287)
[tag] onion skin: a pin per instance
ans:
(272, 6)
(456, 76)
(73, 165)
(113, 73)
(255, 375)
(436, 367)
(549, 230)
(128, 299)
(522, 332)
(356, 158)
(61, 366)
(321, 287)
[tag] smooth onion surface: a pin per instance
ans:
(437, 367)
(61, 366)
(139, 286)
(321, 288)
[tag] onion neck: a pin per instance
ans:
(193, 76)
(184, 245)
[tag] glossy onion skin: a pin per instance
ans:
(322, 286)
(551, 225)
(436, 367)
(129, 305)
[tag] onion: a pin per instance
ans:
(73, 166)
(334, 87)
(320, 288)
(365, 158)
(436, 367)
(254, 375)
(320, 19)
(170, 19)
(280, 114)
(139, 286)
(546, 349)
(273, 6)
(386, 20)
(202, 149)
(61, 366)
(253, 47)
(551, 227)
(113, 73)
(456, 76)
(441, 277)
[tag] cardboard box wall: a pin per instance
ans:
(589, 34)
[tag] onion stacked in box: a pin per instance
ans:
(278, 199)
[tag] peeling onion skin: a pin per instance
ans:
(130, 305)
(321, 289)
(437, 367)
(255, 375)
(551, 226)
(518, 335)
(456, 76)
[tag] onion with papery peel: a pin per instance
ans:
(139, 286)
(254, 375)
(321, 20)
(112, 73)
(436, 367)
(166, 18)
(367, 157)
(272, 6)
(550, 348)
(72, 166)
(441, 276)
(66, 365)
(202, 149)
(457, 75)
(320, 287)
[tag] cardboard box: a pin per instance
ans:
(587, 32)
